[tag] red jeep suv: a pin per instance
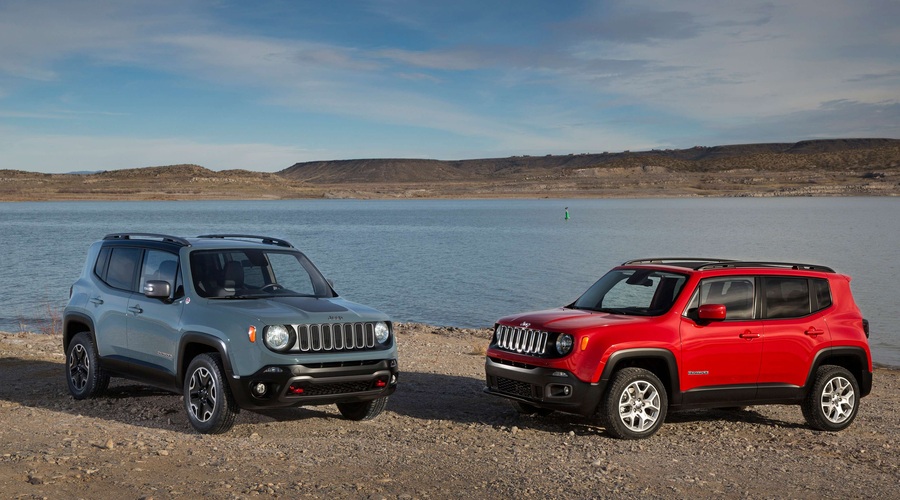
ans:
(661, 334)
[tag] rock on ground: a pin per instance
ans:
(440, 437)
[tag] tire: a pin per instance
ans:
(365, 410)
(833, 401)
(210, 407)
(635, 404)
(84, 375)
(530, 409)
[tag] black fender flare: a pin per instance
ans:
(657, 354)
(858, 354)
(73, 317)
(215, 343)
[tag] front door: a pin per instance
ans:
(721, 359)
(154, 323)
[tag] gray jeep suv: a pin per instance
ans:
(229, 321)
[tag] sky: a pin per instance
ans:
(261, 85)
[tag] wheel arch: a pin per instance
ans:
(661, 362)
(194, 344)
(854, 359)
(75, 323)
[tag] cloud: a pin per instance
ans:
(835, 119)
(514, 77)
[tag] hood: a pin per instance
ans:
(296, 310)
(571, 320)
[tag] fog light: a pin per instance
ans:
(559, 390)
(259, 389)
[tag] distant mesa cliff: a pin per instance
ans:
(833, 167)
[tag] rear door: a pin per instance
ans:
(116, 269)
(794, 312)
(721, 359)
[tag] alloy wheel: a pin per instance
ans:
(639, 406)
(203, 394)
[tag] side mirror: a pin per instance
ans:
(711, 312)
(156, 289)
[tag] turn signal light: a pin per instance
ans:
(251, 333)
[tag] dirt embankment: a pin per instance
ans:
(440, 437)
(838, 167)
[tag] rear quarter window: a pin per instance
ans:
(823, 294)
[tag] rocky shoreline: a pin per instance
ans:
(440, 437)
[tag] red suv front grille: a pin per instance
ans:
(521, 340)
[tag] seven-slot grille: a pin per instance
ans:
(334, 337)
(521, 340)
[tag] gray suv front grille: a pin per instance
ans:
(521, 340)
(334, 337)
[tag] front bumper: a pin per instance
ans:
(315, 384)
(549, 388)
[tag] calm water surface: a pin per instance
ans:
(467, 262)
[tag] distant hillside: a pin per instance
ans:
(836, 153)
(836, 167)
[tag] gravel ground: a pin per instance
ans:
(440, 437)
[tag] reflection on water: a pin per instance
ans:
(468, 262)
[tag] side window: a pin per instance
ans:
(123, 262)
(735, 293)
(159, 265)
(823, 294)
(102, 262)
(787, 297)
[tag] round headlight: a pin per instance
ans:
(278, 337)
(382, 332)
(564, 343)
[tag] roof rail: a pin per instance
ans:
(268, 240)
(144, 236)
(689, 262)
(789, 265)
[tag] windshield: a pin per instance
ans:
(638, 292)
(256, 273)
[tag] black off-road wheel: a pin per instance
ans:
(529, 409)
(833, 401)
(635, 404)
(84, 376)
(366, 410)
(210, 407)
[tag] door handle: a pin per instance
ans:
(813, 331)
(135, 309)
(96, 301)
(750, 335)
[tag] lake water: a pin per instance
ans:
(465, 263)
